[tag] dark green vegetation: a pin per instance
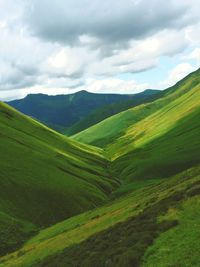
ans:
(109, 110)
(153, 150)
(125, 243)
(126, 232)
(63, 111)
(44, 177)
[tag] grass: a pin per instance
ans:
(44, 176)
(14, 232)
(183, 239)
(62, 111)
(155, 140)
(107, 131)
(114, 227)
(154, 155)
(107, 111)
(160, 153)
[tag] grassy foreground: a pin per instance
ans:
(123, 233)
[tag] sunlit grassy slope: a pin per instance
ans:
(155, 140)
(106, 132)
(106, 111)
(44, 177)
(133, 230)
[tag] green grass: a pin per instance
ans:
(14, 232)
(183, 239)
(107, 131)
(107, 111)
(136, 219)
(156, 140)
(62, 111)
(154, 152)
(45, 177)
(169, 144)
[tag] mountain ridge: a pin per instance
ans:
(62, 111)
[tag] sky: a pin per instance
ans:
(124, 46)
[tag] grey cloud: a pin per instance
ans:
(62, 75)
(26, 69)
(15, 82)
(17, 76)
(113, 21)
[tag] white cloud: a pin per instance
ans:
(195, 54)
(176, 74)
(70, 61)
(47, 46)
(114, 85)
(142, 55)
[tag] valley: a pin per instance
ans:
(123, 192)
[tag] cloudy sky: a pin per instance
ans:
(123, 46)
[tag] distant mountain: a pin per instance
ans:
(63, 111)
(106, 111)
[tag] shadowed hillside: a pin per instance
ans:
(162, 136)
(109, 110)
(44, 177)
(143, 228)
(63, 111)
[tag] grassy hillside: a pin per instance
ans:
(109, 110)
(154, 151)
(163, 143)
(132, 231)
(107, 131)
(62, 111)
(155, 140)
(44, 177)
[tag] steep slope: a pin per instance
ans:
(155, 140)
(107, 131)
(44, 177)
(109, 110)
(134, 230)
(62, 111)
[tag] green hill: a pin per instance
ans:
(109, 110)
(162, 136)
(149, 170)
(154, 226)
(62, 111)
(44, 177)
(107, 131)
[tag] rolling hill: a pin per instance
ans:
(153, 226)
(44, 177)
(109, 110)
(162, 136)
(148, 169)
(107, 131)
(62, 111)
